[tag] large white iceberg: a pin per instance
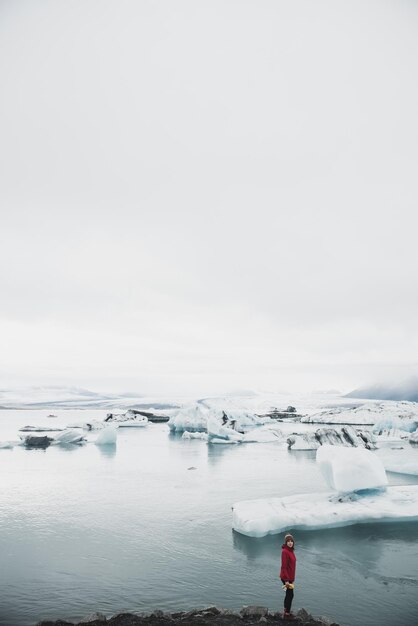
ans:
(257, 518)
(350, 469)
(358, 474)
(191, 418)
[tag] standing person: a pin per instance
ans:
(288, 572)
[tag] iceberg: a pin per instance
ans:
(107, 436)
(343, 436)
(6, 445)
(258, 518)
(193, 435)
(191, 418)
(350, 469)
(128, 419)
(217, 432)
(393, 414)
(195, 417)
(400, 461)
(264, 434)
(414, 437)
(68, 436)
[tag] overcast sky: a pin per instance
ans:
(208, 195)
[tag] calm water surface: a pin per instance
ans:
(147, 525)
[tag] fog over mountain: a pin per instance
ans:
(406, 390)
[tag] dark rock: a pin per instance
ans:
(254, 611)
(125, 619)
(96, 618)
(32, 441)
(209, 616)
(303, 615)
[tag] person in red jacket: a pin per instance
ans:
(288, 572)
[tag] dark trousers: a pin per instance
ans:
(288, 598)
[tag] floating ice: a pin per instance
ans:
(218, 432)
(257, 518)
(190, 418)
(350, 469)
(188, 435)
(343, 436)
(393, 414)
(264, 434)
(38, 429)
(414, 437)
(403, 461)
(7, 444)
(107, 436)
(128, 419)
(68, 436)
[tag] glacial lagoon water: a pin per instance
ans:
(147, 525)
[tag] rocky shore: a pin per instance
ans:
(210, 616)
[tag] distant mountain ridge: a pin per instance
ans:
(406, 390)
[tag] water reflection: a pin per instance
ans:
(355, 548)
(107, 451)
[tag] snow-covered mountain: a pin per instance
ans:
(45, 397)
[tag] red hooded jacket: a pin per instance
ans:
(288, 569)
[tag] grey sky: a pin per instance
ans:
(200, 196)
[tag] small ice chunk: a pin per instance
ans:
(219, 432)
(350, 469)
(6, 445)
(68, 436)
(263, 434)
(197, 435)
(107, 436)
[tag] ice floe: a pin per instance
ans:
(257, 518)
(361, 495)
(393, 413)
(191, 418)
(130, 418)
(39, 429)
(403, 461)
(339, 436)
(7, 445)
(194, 435)
(413, 438)
(68, 436)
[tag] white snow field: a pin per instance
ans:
(258, 518)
